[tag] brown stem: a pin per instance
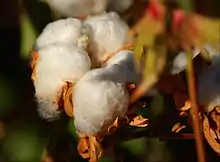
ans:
(195, 111)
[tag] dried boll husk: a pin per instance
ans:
(120, 6)
(58, 63)
(68, 30)
(77, 8)
(108, 34)
(99, 97)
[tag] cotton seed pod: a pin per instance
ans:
(58, 63)
(99, 97)
(77, 8)
(68, 30)
(108, 33)
(120, 6)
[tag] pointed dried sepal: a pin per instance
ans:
(95, 149)
(138, 121)
(113, 127)
(89, 147)
(35, 57)
(127, 46)
(187, 106)
(212, 135)
(178, 127)
(83, 148)
(67, 98)
(211, 129)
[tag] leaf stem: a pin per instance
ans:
(195, 110)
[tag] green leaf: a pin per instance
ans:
(147, 31)
(209, 29)
(71, 129)
(136, 146)
(22, 145)
(186, 5)
(28, 35)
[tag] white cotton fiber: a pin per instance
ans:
(108, 33)
(63, 30)
(60, 63)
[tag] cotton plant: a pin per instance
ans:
(62, 58)
(208, 89)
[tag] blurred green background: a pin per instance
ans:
(24, 137)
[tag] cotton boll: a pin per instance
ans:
(120, 6)
(48, 110)
(64, 30)
(180, 61)
(77, 8)
(124, 59)
(60, 63)
(99, 98)
(209, 85)
(72, 8)
(108, 33)
(99, 6)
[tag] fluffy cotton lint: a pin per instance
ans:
(63, 30)
(108, 33)
(60, 63)
(99, 98)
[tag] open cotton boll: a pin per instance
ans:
(124, 59)
(77, 8)
(64, 30)
(60, 63)
(99, 6)
(108, 33)
(120, 6)
(47, 110)
(99, 98)
(209, 85)
(180, 61)
(72, 8)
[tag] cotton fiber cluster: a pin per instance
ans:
(66, 49)
(61, 58)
